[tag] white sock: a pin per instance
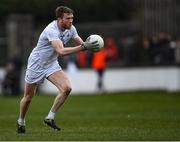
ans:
(51, 115)
(21, 121)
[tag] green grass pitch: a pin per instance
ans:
(113, 116)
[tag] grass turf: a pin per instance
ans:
(115, 116)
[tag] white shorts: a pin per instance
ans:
(35, 73)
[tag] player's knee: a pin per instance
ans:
(67, 89)
(27, 99)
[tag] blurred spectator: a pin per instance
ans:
(154, 50)
(9, 84)
(177, 51)
(167, 53)
(82, 59)
(99, 60)
(145, 57)
(112, 49)
(123, 50)
(139, 53)
(99, 65)
(12, 81)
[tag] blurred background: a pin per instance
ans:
(142, 44)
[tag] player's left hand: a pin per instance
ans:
(92, 46)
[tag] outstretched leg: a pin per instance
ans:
(29, 92)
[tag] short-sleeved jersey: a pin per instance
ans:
(44, 50)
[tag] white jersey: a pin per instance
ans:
(44, 49)
(42, 61)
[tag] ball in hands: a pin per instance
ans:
(98, 38)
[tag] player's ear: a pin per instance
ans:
(59, 18)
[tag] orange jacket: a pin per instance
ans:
(99, 60)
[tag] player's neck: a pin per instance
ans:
(61, 28)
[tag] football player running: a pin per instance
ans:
(42, 63)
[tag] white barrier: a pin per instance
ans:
(84, 81)
(2, 74)
(123, 79)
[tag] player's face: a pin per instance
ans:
(67, 20)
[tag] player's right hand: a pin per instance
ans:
(92, 46)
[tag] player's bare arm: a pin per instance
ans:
(87, 45)
(59, 47)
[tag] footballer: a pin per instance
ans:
(42, 64)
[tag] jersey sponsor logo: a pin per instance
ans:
(64, 37)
